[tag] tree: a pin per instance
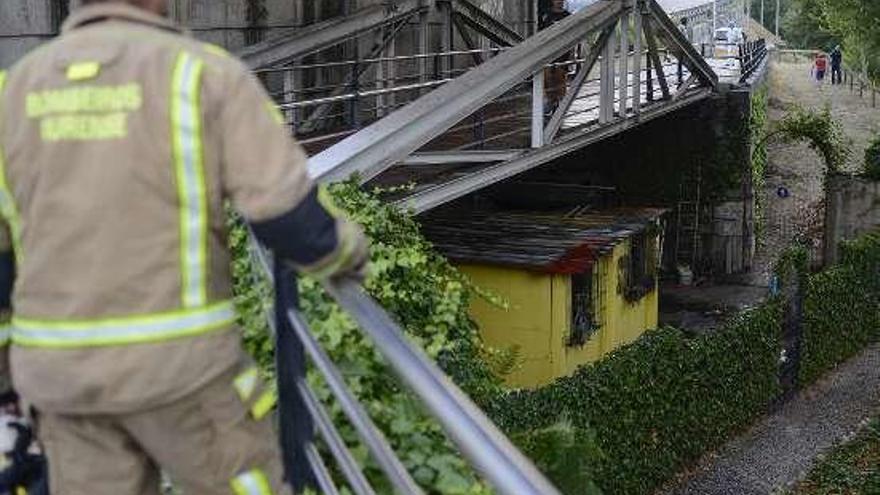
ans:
(801, 27)
(857, 24)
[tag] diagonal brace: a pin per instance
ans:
(683, 48)
(386, 142)
(655, 58)
(558, 116)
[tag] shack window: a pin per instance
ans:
(638, 269)
(584, 322)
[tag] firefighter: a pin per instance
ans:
(120, 143)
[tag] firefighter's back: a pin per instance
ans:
(117, 218)
(112, 196)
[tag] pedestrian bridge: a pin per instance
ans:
(473, 113)
(452, 121)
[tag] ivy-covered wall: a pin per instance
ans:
(651, 408)
(842, 308)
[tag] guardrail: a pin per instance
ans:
(751, 56)
(304, 420)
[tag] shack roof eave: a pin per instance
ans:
(543, 242)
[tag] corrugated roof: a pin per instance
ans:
(553, 243)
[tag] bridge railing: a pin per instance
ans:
(305, 423)
(751, 55)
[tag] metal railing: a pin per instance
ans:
(751, 55)
(304, 420)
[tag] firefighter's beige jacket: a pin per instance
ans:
(120, 142)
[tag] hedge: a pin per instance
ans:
(842, 308)
(638, 417)
(654, 406)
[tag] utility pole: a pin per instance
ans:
(777, 18)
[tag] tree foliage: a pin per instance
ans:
(816, 128)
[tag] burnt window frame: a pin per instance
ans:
(639, 266)
(585, 288)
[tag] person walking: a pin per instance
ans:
(120, 143)
(820, 66)
(836, 65)
(687, 32)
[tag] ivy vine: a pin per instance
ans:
(428, 297)
(819, 130)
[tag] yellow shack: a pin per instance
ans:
(576, 285)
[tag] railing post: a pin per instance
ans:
(637, 57)
(290, 87)
(296, 426)
(538, 109)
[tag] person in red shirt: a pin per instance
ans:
(820, 67)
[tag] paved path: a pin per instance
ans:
(782, 447)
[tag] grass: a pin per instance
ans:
(850, 469)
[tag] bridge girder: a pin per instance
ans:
(389, 141)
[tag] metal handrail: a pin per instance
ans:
(495, 458)
(751, 55)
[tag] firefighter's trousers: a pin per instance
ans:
(208, 443)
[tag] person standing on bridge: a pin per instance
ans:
(120, 143)
(836, 65)
(555, 76)
(688, 33)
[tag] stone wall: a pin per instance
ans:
(852, 208)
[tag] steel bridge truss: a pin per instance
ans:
(626, 63)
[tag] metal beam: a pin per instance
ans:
(683, 87)
(437, 195)
(466, 37)
(459, 157)
(298, 42)
(558, 116)
(689, 55)
(606, 79)
(623, 63)
(388, 141)
(653, 54)
(485, 24)
(637, 57)
(319, 114)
